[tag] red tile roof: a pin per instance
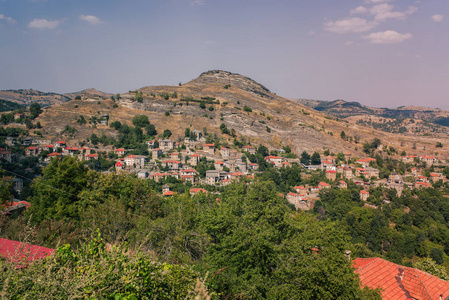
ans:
(399, 282)
(331, 171)
(22, 252)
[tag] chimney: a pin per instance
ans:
(348, 254)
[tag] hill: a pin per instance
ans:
(28, 96)
(404, 119)
(8, 105)
(249, 111)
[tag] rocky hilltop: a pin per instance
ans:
(232, 79)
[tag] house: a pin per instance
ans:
(167, 145)
(275, 160)
(342, 184)
(399, 282)
(158, 176)
(219, 165)
(119, 166)
(435, 177)
(53, 155)
(93, 156)
(48, 148)
(301, 190)
(241, 166)
(194, 159)
(348, 156)
(18, 185)
(156, 153)
(196, 191)
(371, 172)
(429, 160)
(172, 164)
(360, 172)
(215, 176)
(70, 151)
(84, 150)
(286, 164)
(323, 185)
(253, 166)
(5, 155)
(225, 153)
(209, 148)
(136, 161)
(189, 172)
(60, 144)
(409, 159)
(32, 151)
(236, 176)
(120, 152)
(331, 175)
(249, 149)
(327, 165)
(422, 185)
(151, 143)
(347, 173)
(364, 195)
(142, 174)
(174, 155)
(17, 116)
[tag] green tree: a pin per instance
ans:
(151, 130)
(35, 110)
(140, 121)
(315, 159)
(55, 195)
(305, 158)
(166, 134)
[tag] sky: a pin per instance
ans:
(381, 53)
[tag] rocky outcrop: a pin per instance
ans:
(232, 79)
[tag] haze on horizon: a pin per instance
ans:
(381, 53)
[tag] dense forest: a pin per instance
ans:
(243, 243)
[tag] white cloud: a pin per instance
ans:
(377, 1)
(387, 37)
(93, 20)
(384, 11)
(438, 18)
(44, 24)
(358, 10)
(311, 33)
(348, 25)
(197, 2)
(7, 19)
(349, 43)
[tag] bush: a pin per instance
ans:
(96, 273)
(247, 108)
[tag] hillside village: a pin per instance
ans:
(387, 193)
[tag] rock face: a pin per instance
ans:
(233, 79)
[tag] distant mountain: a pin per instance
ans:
(26, 97)
(411, 119)
(89, 93)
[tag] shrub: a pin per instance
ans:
(247, 108)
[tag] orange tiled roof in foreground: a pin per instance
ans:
(399, 282)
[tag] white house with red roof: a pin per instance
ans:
(225, 152)
(32, 151)
(120, 152)
(275, 160)
(172, 164)
(364, 195)
(194, 159)
(137, 161)
(250, 149)
(219, 165)
(331, 175)
(196, 191)
(323, 185)
(209, 148)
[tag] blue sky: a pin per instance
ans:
(383, 53)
